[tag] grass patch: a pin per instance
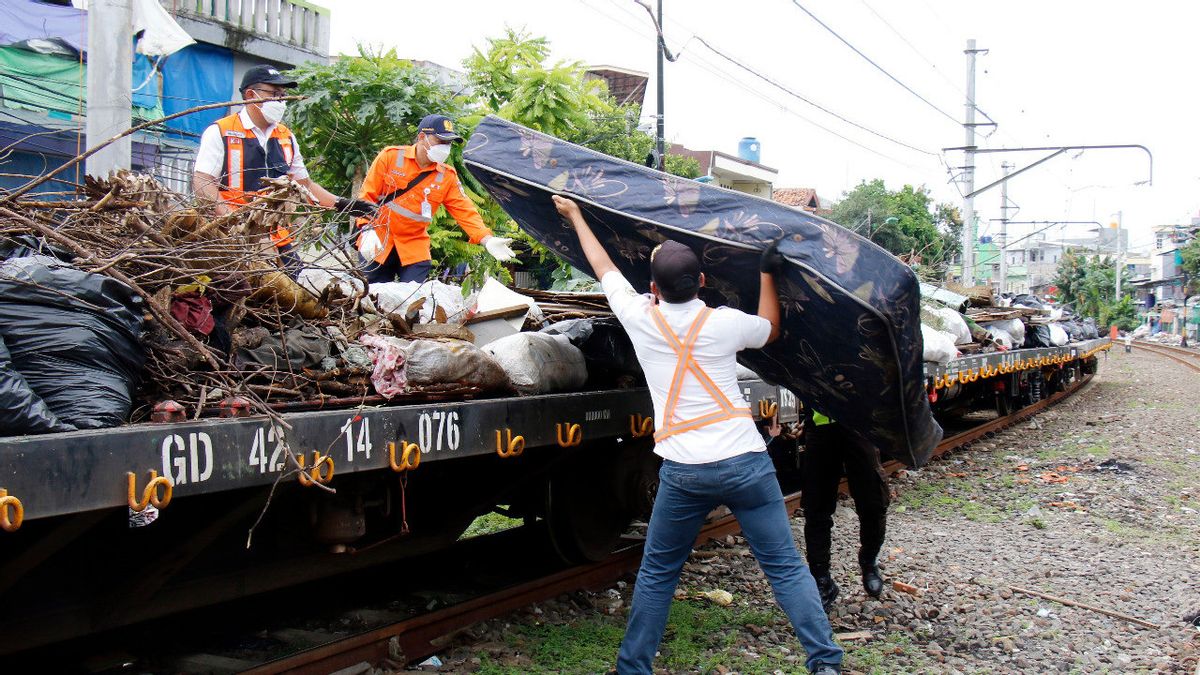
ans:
(877, 657)
(490, 523)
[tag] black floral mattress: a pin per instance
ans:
(851, 343)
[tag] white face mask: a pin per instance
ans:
(273, 110)
(439, 153)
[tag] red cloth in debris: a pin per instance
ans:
(194, 311)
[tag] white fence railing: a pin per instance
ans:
(293, 22)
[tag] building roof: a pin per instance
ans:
(797, 196)
(626, 86)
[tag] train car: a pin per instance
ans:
(245, 505)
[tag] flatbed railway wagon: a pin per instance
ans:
(244, 505)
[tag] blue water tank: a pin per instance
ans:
(749, 149)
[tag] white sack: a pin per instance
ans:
(939, 346)
(430, 362)
(948, 321)
(1014, 329)
(1058, 335)
(539, 363)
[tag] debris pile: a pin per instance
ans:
(227, 326)
(956, 321)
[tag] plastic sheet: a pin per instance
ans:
(74, 337)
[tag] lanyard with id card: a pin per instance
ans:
(426, 209)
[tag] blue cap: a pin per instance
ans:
(440, 126)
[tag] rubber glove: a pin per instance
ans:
(369, 245)
(355, 207)
(499, 248)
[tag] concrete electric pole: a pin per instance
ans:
(661, 136)
(109, 83)
(1118, 247)
(1004, 229)
(968, 176)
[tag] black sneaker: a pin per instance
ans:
(826, 669)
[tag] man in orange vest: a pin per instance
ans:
(238, 151)
(711, 449)
(409, 183)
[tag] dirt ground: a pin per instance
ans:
(1096, 501)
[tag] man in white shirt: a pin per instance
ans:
(712, 452)
(238, 151)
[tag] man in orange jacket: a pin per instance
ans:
(409, 183)
(238, 151)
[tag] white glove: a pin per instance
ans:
(499, 248)
(369, 245)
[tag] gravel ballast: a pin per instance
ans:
(1096, 501)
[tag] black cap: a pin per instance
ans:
(265, 74)
(675, 269)
(440, 126)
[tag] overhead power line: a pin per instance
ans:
(878, 67)
(809, 101)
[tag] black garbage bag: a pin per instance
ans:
(24, 245)
(607, 351)
(74, 338)
(21, 410)
(1027, 300)
(1037, 336)
(1074, 330)
(1090, 332)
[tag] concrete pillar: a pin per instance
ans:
(109, 83)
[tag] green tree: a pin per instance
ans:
(905, 222)
(1190, 269)
(1087, 284)
(357, 105)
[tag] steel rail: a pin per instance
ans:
(1180, 355)
(422, 636)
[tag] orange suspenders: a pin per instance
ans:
(686, 365)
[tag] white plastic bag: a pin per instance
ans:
(397, 297)
(431, 362)
(939, 346)
(539, 363)
(316, 279)
(946, 320)
(1058, 335)
(1013, 329)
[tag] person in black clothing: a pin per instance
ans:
(831, 449)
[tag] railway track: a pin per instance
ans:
(419, 637)
(1185, 357)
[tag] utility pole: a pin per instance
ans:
(1118, 247)
(109, 83)
(660, 46)
(1004, 229)
(968, 235)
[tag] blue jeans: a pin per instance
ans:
(686, 494)
(393, 270)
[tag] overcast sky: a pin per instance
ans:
(1058, 72)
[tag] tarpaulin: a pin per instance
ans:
(28, 20)
(851, 345)
(195, 76)
(47, 82)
